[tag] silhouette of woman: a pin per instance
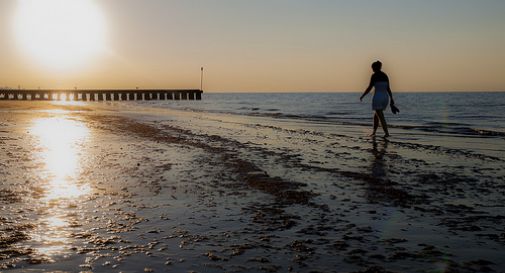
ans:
(381, 97)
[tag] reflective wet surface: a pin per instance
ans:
(59, 141)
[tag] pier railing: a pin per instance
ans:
(100, 95)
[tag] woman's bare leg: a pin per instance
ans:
(382, 119)
(375, 123)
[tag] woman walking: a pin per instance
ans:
(381, 97)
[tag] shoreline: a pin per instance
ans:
(175, 190)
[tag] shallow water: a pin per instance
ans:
(453, 113)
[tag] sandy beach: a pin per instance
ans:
(109, 187)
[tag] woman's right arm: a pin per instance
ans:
(368, 89)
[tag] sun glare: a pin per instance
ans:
(60, 34)
(60, 137)
(60, 141)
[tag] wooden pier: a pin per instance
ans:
(100, 95)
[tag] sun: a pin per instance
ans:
(60, 34)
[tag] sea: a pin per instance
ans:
(479, 114)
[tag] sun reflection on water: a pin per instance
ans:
(59, 139)
(52, 236)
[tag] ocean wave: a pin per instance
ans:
(438, 123)
(443, 129)
(488, 132)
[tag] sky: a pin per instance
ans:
(267, 45)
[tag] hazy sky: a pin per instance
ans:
(280, 45)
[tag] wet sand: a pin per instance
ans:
(111, 187)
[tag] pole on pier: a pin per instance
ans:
(201, 78)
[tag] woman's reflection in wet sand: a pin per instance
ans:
(378, 163)
(378, 186)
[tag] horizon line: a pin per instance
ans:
(358, 91)
(239, 91)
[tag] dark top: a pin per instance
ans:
(378, 77)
